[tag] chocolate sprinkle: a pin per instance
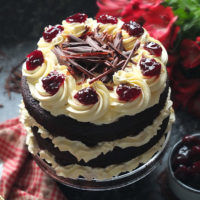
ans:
(96, 55)
(13, 81)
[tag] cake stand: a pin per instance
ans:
(112, 183)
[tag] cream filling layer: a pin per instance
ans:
(74, 171)
(81, 151)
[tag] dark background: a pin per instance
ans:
(22, 20)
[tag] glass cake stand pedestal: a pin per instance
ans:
(108, 184)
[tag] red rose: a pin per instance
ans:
(198, 40)
(159, 23)
(190, 53)
(194, 105)
(136, 10)
(172, 62)
(183, 89)
(145, 4)
(157, 19)
(111, 7)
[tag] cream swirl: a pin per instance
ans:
(33, 76)
(129, 41)
(89, 113)
(76, 29)
(156, 83)
(54, 102)
(138, 104)
(110, 28)
(55, 41)
(164, 56)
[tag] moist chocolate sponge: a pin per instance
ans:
(116, 156)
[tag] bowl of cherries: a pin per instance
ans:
(184, 168)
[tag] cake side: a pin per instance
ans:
(88, 133)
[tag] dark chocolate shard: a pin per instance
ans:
(93, 43)
(95, 67)
(80, 68)
(117, 42)
(135, 48)
(102, 75)
(117, 50)
(81, 49)
(73, 44)
(75, 39)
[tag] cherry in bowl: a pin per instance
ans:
(184, 168)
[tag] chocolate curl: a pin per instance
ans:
(135, 48)
(80, 68)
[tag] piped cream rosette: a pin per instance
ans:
(55, 102)
(138, 104)
(34, 75)
(164, 56)
(156, 84)
(55, 41)
(110, 28)
(89, 113)
(129, 41)
(76, 29)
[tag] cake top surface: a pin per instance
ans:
(96, 70)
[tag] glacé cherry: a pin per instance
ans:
(77, 18)
(153, 48)
(52, 82)
(51, 32)
(133, 28)
(87, 96)
(34, 59)
(128, 92)
(150, 67)
(105, 19)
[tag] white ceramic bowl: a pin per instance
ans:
(181, 190)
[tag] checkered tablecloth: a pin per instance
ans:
(20, 177)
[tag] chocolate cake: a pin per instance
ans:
(96, 99)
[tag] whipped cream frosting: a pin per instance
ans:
(81, 151)
(108, 108)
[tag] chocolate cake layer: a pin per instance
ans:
(88, 133)
(116, 156)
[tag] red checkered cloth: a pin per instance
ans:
(20, 177)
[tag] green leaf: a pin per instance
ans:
(188, 12)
